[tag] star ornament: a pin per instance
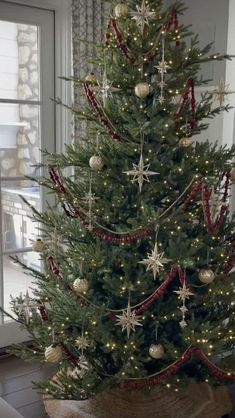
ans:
(221, 92)
(105, 89)
(155, 261)
(140, 173)
(184, 292)
(128, 320)
(162, 67)
(142, 16)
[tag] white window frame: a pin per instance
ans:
(63, 61)
(63, 90)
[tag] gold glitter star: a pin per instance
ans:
(128, 320)
(155, 261)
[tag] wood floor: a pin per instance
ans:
(16, 388)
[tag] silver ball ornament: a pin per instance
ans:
(53, 354)
(121, 10)
(185, 142)
(156, 351)
(142, 90)
(80, 286)
(96, 162)
(38, 246)
(206, 276)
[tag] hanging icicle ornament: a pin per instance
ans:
(215, 204)
(105, 89)
(90, 199)
(142, 16)
(128, 320)
(121, 10)
(155, 261)
(140, 172)
(184, 293)
(162, 68)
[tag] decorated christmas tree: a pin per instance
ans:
(138, 247)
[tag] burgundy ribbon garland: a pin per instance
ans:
(98, 108)
(189, 97)
(175, 367)
(120, 42)
(173, 25)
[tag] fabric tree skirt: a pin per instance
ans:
(195, 401)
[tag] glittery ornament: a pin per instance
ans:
(121, 10)
(91, 78)
(142, 90)
(185, 142)
(96, 163)
(53, 354)
(156, 351)
(80, 286)
(38, 246)
(206, 276)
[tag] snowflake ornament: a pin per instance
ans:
(105, 89)
(155, 261)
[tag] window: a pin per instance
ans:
(27, 123)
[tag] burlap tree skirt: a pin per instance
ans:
(197, 401)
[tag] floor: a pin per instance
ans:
(15, 387)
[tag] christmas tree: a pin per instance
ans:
(138, 246)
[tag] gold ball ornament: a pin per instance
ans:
(121, 10)
(53, 354)
(38, 246)
(91, 78)
(206, 276)
(156, 351)
(80, 286)
(142, 90)
(185, 142)
(232, 176)
(96, 163)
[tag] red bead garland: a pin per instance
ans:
(54, 267)
(43, 312)
(98, 108)
(193, 194)
(189, 97)
(175, 367)
(213, 228)
(69, 356)
(120, 42)
(173, 24)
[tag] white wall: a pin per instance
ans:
(229, 118)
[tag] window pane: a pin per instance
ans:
(18, 229)
(15, 280)
(19, 63)
(19, 139)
